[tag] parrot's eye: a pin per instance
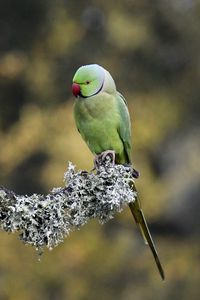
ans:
(87, 82)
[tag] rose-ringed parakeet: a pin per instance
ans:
(102, 118)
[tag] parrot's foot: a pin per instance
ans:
(109, 153)
(135, 173)
(99, 159)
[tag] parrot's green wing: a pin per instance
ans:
(124, 129)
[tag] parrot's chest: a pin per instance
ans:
(97, 120)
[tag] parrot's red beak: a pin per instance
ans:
(76, 89)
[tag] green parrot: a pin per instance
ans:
(102, 118)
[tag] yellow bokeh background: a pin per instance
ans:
(152, 50)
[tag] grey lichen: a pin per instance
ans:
(44, 220)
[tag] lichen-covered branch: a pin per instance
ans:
(44, 220)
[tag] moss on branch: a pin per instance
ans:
(44, 220)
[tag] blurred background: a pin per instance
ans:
(152, 50)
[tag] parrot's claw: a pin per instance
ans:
(109, 153)
(135, 173)
(99, 159)
(96, 163)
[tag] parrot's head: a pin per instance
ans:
(90, 80)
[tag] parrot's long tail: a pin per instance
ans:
(138, 215)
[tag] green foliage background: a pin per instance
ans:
(152, 50)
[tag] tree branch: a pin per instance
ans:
(44, 220)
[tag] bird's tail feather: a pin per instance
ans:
(139, 217)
